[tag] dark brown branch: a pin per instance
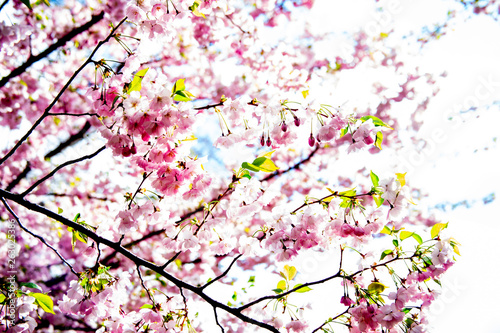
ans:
(339, 274)
(56, 99)
(88, 196)
(223, 274)
(144, 177)
(19, 177)
(71, 140)
(296, 166)
(60, 42)
(37, 236)
(209, 106)
(134, 258)
(332, 319)
(50, 174)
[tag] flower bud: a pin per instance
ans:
(312, 141)
(262, 140)
(296, 121)
(269, 142)
(284, 127)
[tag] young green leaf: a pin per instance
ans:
(385, 253)
(379, 138)
(376, 121)
(282, 285)
(374, 179)
(405, 234)
(249, 166)
(376, 288)
(30, 285)
(44, 301)
(136, 84)
(386, 230)
(436, 229)
(378, 200)
(301, 290)
(291, 271)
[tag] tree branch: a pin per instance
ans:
(32, 187)
(19, 177)
(60, 42)
(223, 274)
(135, 259)
(72, 139)
(37, 236)
(47, 110)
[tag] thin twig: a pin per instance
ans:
(71, 140)
(32, 187)
(60, 42)
(217, 320)
(56, 99)
(223, 274)
(144, 286)
(37, 236)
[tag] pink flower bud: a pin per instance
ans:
(268, 142)
(284, 127)
(296, 121)
(312, 141)
(262, 140)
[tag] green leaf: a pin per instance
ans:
(182, 96)
(378, 200)
(374, 179)
(395, 242)
(265, 164)
(260, 164)
(376, 121)
(386, 230)
(282, 285)
(417, 238)
(251, 279)
(436, 229)
(44, 301)
(376, 288)
(30, 285)
(235, 296)
(77, 216)
(178, 86)
(379, 138)
(400, 177)
(405, 234)
(146, 306)
(301, 290)
(136, 84)
(343, 131)
(385, 253)
(248, 166)
(291, 271)
(278, 291)
(2, 298)
(194, 9)
(348, 193)
(59, 210)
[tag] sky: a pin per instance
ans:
(459, 168)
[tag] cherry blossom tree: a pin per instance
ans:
(122, 212)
